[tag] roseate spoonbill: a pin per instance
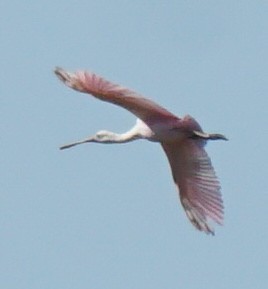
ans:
(182, 139)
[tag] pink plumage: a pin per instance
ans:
(183, 141)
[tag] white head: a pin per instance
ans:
(105, 136)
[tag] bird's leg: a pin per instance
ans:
(208, 136)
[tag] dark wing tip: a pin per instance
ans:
(63, 75)
(198, 220)
(72, 80)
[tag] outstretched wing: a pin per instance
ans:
(197, 183)
(105, 90)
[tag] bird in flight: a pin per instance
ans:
(182, 139)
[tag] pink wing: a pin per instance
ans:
(102, 89)
(197, 183)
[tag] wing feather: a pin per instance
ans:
(105, 90)
(199, 188)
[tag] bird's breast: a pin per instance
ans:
(160, 131)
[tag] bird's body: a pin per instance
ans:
(182, 140)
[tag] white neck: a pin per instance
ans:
(111, 137)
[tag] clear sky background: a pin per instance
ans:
(100, 216)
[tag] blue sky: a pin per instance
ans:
(108, 216)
